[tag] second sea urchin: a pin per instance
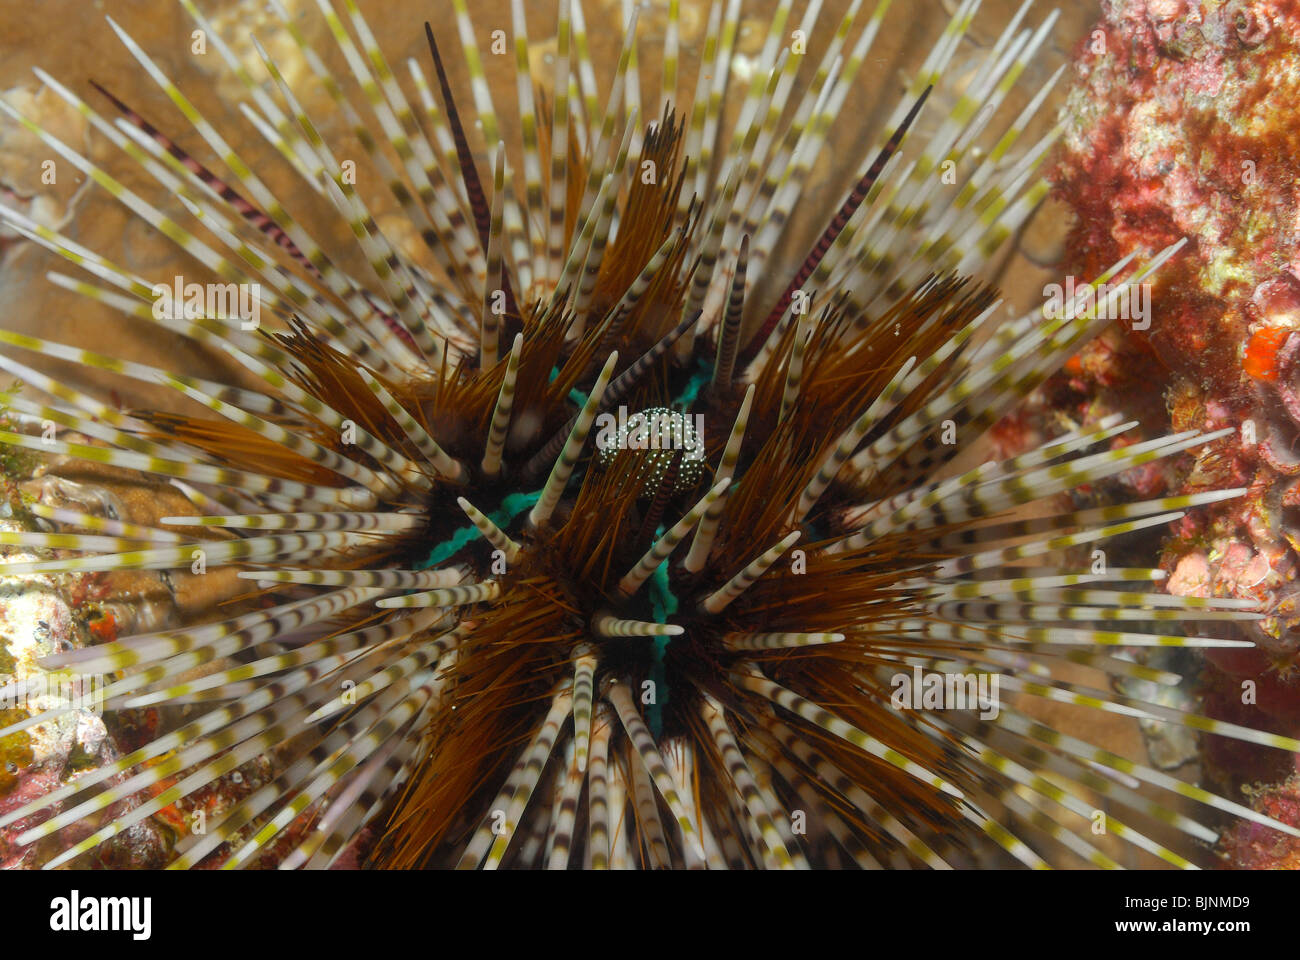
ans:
(494, 651)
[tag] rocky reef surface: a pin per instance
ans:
(1182, 122)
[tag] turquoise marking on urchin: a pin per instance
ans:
(663, 601)
(511, 507)
(702, 374)
(576, 396)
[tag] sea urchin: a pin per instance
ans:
(738, 647)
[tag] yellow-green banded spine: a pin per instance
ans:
(374, 522)
(752, 679)
(500, 425)
(429, 651)
(384, 579)
(564, 815)
(721, 598)
(598, 808)
(698, 555)
(666, 544)
(493, 291)
(605, 625)
(510, 802)
(446, 597)
(491, 532)
(778, 641)
(644, 745)
(568, 459)
(741, 776)
(451, 469)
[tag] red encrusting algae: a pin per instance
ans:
(1182, 123)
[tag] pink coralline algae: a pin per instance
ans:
(1183, 123)
(1258, 848)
